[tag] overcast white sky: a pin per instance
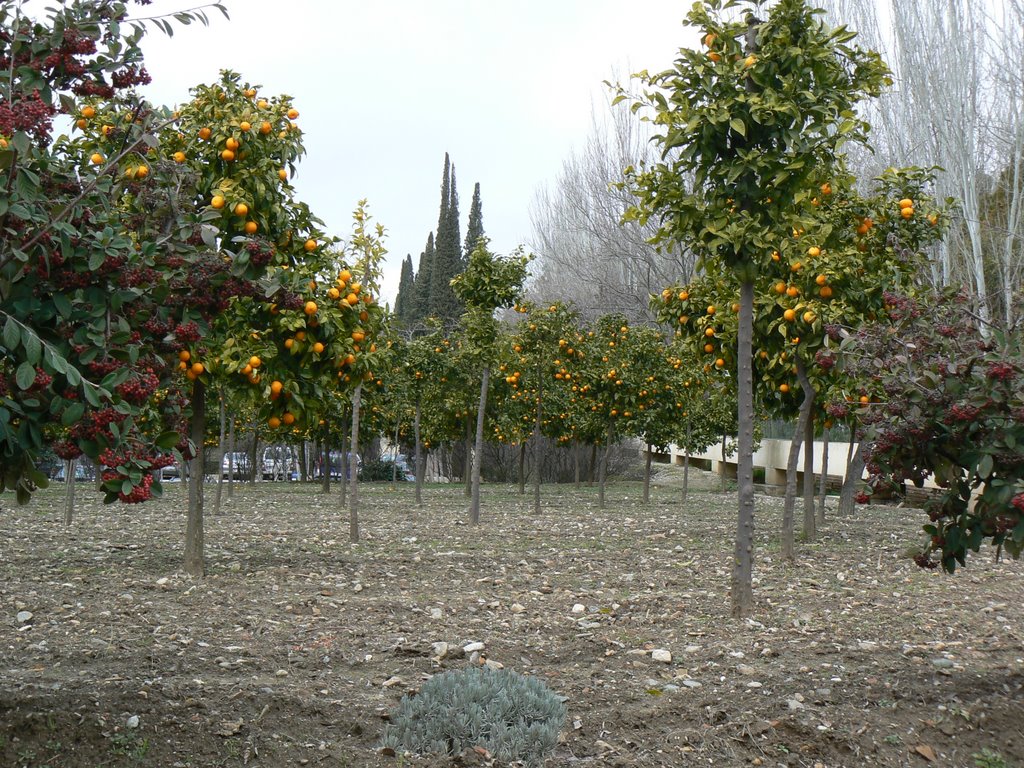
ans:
(385, 88)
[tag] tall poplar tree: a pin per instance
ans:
(421, 307)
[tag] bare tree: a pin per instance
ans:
(587, 256)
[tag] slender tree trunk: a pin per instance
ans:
(522, 468)
(478, 449)
(303, 463)
(647, 476)
(467, 460)
(419, 452)
(353, 467)
(810, 529)
(854, 469)
(394, 464)
(231, 458)
(743, 559)
(538, 450)
(792, 469)
(603, 469)
(576, 464)
(70, 466)
(194, 544)
(593, 465)
(220, 453)
(721, 467)
(686, 463)
(343, 480)
(823, 485)
(325, 471)
(255, 469)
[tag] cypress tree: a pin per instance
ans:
(475, 227)
(448, 254)
(406, 293)
(421, 307)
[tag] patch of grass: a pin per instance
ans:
(130, 745)
(989, 758)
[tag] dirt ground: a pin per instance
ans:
(297, 644)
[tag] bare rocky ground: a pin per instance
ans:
(297, 644)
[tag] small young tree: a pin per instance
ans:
(488, 284)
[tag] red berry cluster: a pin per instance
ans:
(140, 387)
(29, 114)
(1000, 371)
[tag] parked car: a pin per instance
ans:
(280, 463)
(339, 465)
(82, 472)
(236, 464)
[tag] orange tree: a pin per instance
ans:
(76, 283)
(833, 268)
(489, 283)
(540, 378)
(744, 126)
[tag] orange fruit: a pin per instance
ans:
(864, 399)
(251, 227)
(906, 202)
(709, 348)
(205, 133)
(333, 293)
(789, 315)
(227, 156)
(300, 335)
(289, 343)
(282, 174)
(714, 56)
(310, 245)
(709, 39)
(344, 276)
(288, 418)
(231, 143)
(352, 299)
(809, 316)
(241, 209)
(255, 362)
(780, 288)
(709, 331)
(792, 291)
(310, 308)
(276, 387)
(358, 336)
(217, 201)
(907, 212)
(293, 113)
(719, 363)
(318, 347)
(244, 126)
(825, 292)
(265, 128)
(750, 61)
(273, 422)
(197, 369)
(783, 388)
(88, 111)
(262, 104)
(184, 355)
(821, 279)
(683, 295)
(814, 251)
(711, 309)
(796, 267)
(826, 188)
(96, 158)
(179, 157)
(775, 256)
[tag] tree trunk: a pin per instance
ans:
(478, 448)
(194, 545)
(255, 470)
(854, 469)
(792, 469)
(303, 464)
(593, 465)
(70, 466)
(325, 466)
(467, 460)
(810, 529)
(721, 467)
(823, 485)
(419, 452)
(743, 559)
(603, 469)
(686, 464)
(576, 464)
(538, 447)
(353, 467)
(343, 479)
(522, 468)
(220, 453)
(231, 458)
(394, 464)
(647, 475)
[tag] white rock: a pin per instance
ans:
(440, 650)
(579, 608)
(162, 581)
(435, 613)
(491, 663)
(692, 648)
(517, 608)
(754, 684)
(471, 647)
(133, 722)
(660, 654)
(691, 683)
(746, 669)
(24, 617)
(794, 705)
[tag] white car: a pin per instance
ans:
(280, 463)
